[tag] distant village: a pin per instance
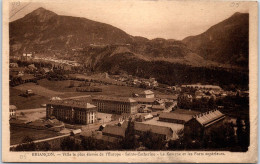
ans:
(153, 117)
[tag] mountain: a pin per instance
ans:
(44, 32)
(226, 42)
(43, 29)
(101, 47)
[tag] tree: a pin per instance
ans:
(239, 130)
(211, 103)
(69, 144)
(129, 141)
(27, 145)
(45, 146)
(89, 143)
(153, 141)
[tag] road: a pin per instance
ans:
(31, 110)
(44, 140)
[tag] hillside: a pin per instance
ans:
(43, 29)
(46, 33)
(226, 42)
(104, 48)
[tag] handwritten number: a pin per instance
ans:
(15, 5)
(234, 4)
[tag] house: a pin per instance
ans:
(13, 65)
(102, 127)
(112, 133)
(32, 67)
(26, 78)
(165, 132)
(26, 56)
(45, 70)
(121, 117)
(203, 87)
(143, 117)
(153, 82)
(55, 98)
(147, 94)
(158, 108)
(12, 111)
(29, 92)
(19, 71)
(144, 109)
(159, 102)
(174, 117)
(54, 124)
(136, 82)
(77, 131)
(202, 123)
(168, 97)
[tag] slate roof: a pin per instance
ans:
(12, 107)
(147, 92)
(160, 107)
(210, 117)
(72, 103)
(154, 129)
(116, 99)
(114, 130)
(185, 111)
(175, 116)
(147, 100)
(172, 97)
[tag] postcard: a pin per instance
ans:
(129, 81)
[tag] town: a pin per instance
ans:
(58, 105)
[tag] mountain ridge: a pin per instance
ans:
(225, 42)
(47, 33)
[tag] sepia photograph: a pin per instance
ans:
(141, 79)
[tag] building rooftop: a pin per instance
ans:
(72, 103)
(158, 127)
(171, 97)
(185, 111)
(109, 139)
(114, 130)
(154, 129)
(117, 99)
(12, 107)
(146, 92)
(158, 107)
(175, 116)
(207, 118)
(202, 86)
(147, 100)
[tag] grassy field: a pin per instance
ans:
(26, 102)
(47, 89)
(38, 90)
(58, 86)
(19, 133)
(43, 92)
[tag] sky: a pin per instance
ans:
(169, 19)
